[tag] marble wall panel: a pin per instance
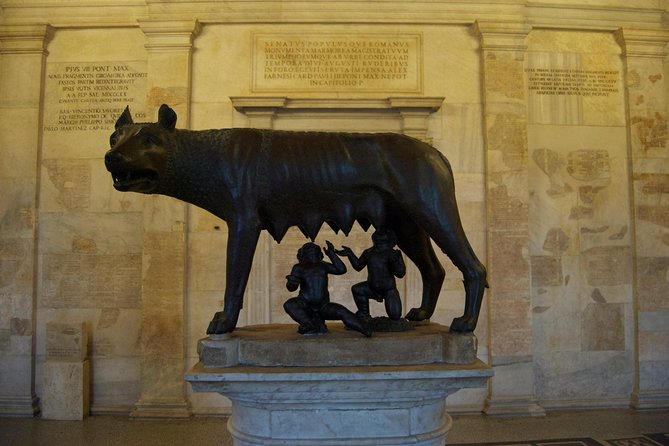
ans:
(102, 195)
(546, 271)
(503, 78)
(161, 272)
(507, 136)
(72, 280)
(603, 327)
(451, 67)
(17, 264)
(17, 327)
(580, 215)
(161, 328)
(92, 233)
(161, 377)
(21, 91)
(161, 315)
(556, 312)
(115, 384)
(652, 294)
(571, 85)
(17, 163)
(653, 375)
(513, 374)
(163, 214)
(607, 266)
(461, 137)
(647, 107)
(656, 339)
(208, 259)
(577, 377)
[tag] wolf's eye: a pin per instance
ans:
(113, 140)
(150, 140)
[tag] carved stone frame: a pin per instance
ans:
(412, 113)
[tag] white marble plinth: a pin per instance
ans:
(337, 405)
(66, 391)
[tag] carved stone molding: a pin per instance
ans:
(165, 36)
(25, 39)
(413, 112)
(645, 43)
(502, 36)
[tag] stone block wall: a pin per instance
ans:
(554, 118)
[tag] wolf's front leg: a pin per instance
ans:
(242, 241)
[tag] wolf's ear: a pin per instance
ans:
(167, 117)
(124, 119)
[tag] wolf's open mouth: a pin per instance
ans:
(140, 180)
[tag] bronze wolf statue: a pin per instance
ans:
(272, 180)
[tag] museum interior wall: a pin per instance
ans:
(552, 114)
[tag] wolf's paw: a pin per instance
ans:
(463, 324)
(221, 323)
(418, 314)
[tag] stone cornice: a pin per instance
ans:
(647, 43)
(25, 39)
(598, 15)
(173, 35)
(412, 112)
(502, 36)
(275, 103)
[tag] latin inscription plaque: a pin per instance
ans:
(66, 341)
(573, 82)
(337, 62)
(89, 96)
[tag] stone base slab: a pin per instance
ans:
(280, 345)
(335, 405)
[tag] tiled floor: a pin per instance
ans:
(105, 430)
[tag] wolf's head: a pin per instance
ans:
(139, 154)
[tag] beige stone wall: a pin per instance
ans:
(553, 115)
(582, 300)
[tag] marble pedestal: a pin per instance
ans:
(338, 389)
(66, 394)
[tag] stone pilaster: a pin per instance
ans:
(645, 54)
(163, 392)
(503, 48)
(22, 61)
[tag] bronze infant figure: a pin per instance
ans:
(271, 180)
